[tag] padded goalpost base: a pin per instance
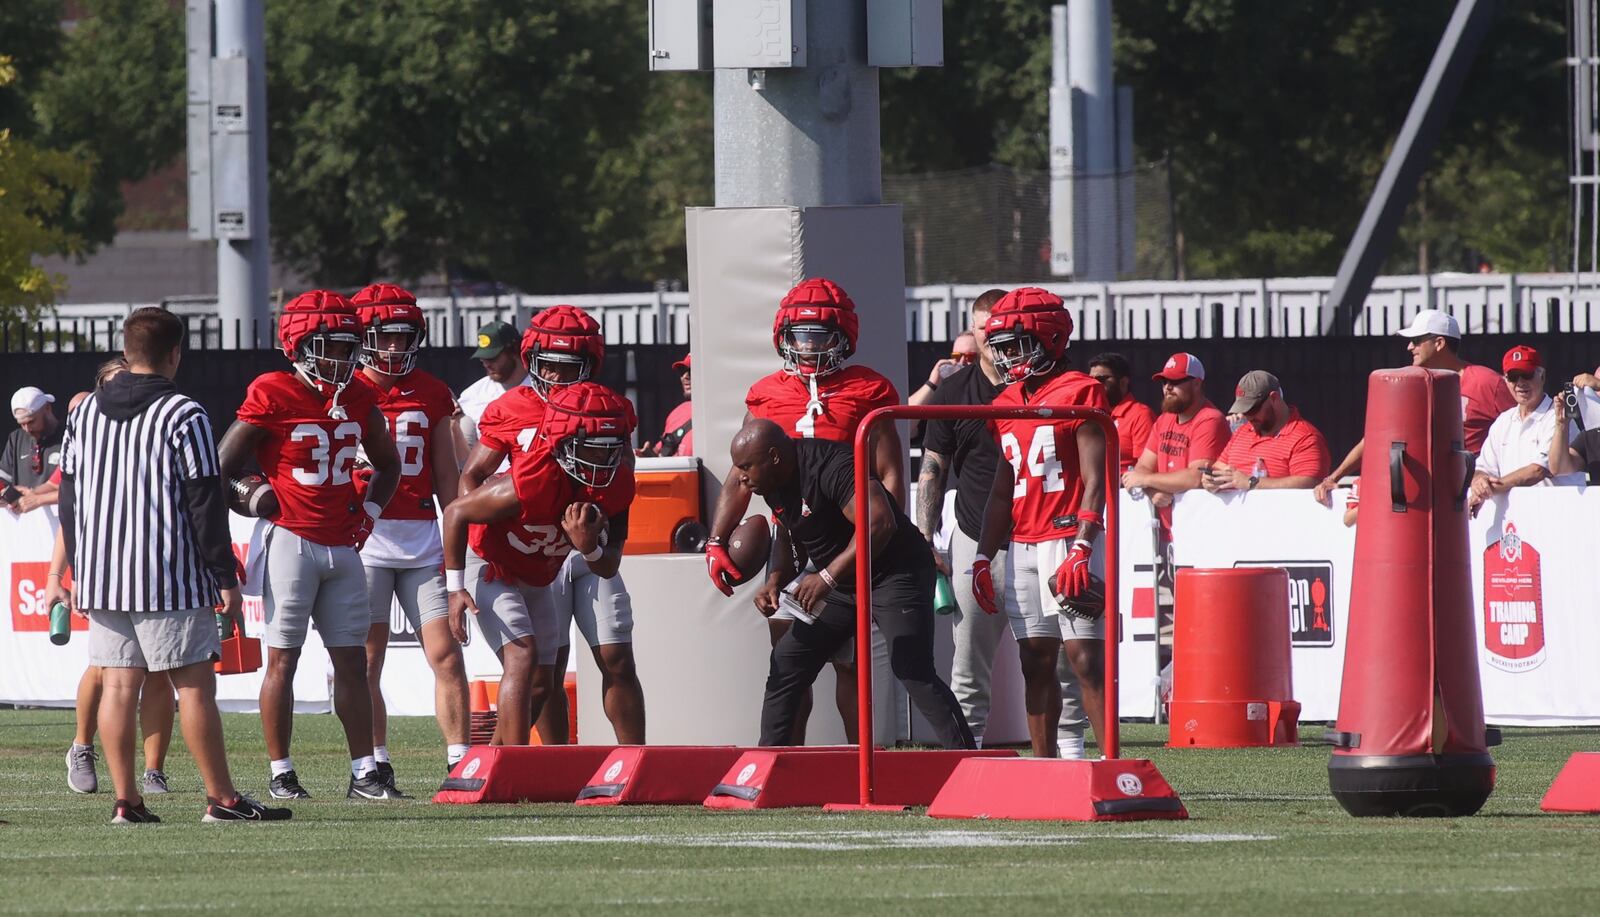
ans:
(1577, 787)
(776, 778)
(658, 775)
(1050, 789)
(522, 773)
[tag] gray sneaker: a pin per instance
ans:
(154, 782)
(80, 769)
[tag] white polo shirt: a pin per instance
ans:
(1515, 442)
(476, 397)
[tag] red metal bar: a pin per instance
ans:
(1109, 743)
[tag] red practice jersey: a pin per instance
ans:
(510, 423)
(846, 397)
(308, 456)
(532, 547)
(1048, 488)
(414, 408)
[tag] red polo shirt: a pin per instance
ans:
(1134, 422)
(1297, 449)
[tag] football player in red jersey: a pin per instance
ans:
(569, 493)
(814, 396)
(563, 346)
(1047, 499)
(403, 556)
(304, 428)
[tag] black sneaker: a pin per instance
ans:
(244, 809)
(287, 786)
(126, 813)
(386, 774)
(371, 786)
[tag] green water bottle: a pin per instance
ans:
(944, 597)
(60, 624)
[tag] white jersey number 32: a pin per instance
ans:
(1041, 461)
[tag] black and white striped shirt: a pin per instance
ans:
(145, 496)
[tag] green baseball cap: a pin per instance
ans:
(493, 339)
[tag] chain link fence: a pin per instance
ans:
(977, 225)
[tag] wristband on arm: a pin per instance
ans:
(455, 580)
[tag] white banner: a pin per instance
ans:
(1535, 635)
(35, 671)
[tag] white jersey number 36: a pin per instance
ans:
(1041, 461)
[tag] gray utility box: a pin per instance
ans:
(758, 34)
(680, 34)
(905, 33)
(230, 147)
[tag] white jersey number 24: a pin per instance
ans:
(1041, 462)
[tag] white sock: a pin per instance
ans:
(381, 752)
(454, 753)
(1069, 743)
(360, 767)
(282, 766)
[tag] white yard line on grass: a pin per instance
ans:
(874, 840)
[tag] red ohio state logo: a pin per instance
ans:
(1513, 604)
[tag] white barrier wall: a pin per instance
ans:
(1536, 590)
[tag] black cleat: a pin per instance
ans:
(244, 809)
(126, 813)
(386, 774)
(371, 786)
(287, 786)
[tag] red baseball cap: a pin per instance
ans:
(1520, 357)
(1181, 366)
(683, 364)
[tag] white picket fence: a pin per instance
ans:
(1135, 310)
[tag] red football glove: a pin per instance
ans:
(1072, 577)
(983, 586)
(724, 575)
(363, 530)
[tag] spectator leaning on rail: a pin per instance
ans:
(1134, 418)
(1516, 452)
(1276, 448)
(1576, 449)
(32, 452)
(1189, 435)
(1434, 340)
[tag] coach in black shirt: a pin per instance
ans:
(810, 485)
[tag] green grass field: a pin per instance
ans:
(1264, 837)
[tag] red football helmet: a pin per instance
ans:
(319, 332)
(387, 309)
(1028, 332)
(587, 427)
(815, 329)
(565, 342)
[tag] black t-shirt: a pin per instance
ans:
(809, 507)
(967, 444)
(1587, 445)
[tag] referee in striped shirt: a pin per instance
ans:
(146, 531)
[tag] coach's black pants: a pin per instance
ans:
(902, 606)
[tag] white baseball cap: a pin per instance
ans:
(28, 400)
(1430, 323)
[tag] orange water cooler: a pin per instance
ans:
(665, 515)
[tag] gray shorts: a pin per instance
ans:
(1032, 609)
(508, 611)
(419, 591)
(156, 641)
(310, 583)
(602, 607)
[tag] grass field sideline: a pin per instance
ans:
(1264, 837)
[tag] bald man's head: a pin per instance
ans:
(763, 456)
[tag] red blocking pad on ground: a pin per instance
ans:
(777, 778)
(658, 775)
(1035, 789)
(1577, 787)
(521, 773)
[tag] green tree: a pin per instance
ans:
(33, 183)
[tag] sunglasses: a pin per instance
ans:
(38, 458)
(1515, 376)
(963, 358)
